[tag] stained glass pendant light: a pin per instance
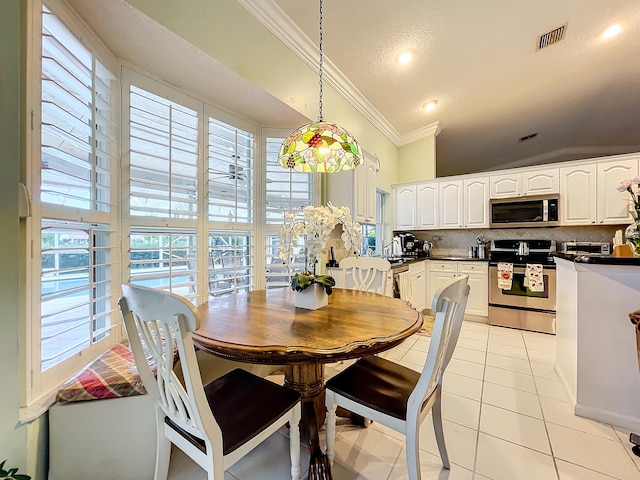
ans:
(320, 146)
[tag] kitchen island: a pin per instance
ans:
(596, 355)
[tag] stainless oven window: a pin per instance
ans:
(518, 288)
(516, 212)
(519, 296)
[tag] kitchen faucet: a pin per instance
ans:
(385, 248)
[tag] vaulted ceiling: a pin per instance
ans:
(479, 60)
(577, 98)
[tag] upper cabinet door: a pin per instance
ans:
(360, 192)
(613, 206)
(427, 208)
(540, 182)
(578, 195)
(364, 190)
(450, 199)
(371, 194)
(405, 207)
(505, 186)
(355, 189)
(476, 203)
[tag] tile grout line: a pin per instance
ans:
(544, 421)
(484, 370)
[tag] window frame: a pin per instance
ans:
(40, 387)
(39, 393)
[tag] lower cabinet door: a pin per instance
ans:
(436, 280)
(478, 303)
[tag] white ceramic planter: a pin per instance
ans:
(312, 297)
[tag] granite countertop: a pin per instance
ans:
(408, 260)
(598, 259)
(456, 259)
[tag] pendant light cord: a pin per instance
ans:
(320, 117)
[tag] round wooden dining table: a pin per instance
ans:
(265, 326)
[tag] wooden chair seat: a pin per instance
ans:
(217, 424)
(398, 397)
(378, 383)
(232, 399)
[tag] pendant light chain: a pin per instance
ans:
(320, 146)
(320, 117)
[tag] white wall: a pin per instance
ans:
(230, 34)
(13, 437)
(417, 160)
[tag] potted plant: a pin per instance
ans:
(12, 473)
(307, 235)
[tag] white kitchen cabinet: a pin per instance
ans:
(540, 182)
(370, 198)
(475, 213)
(406, 207)
(530, 182)
(418, 285)
(427, 205)
(451, 203)
(578, 194)
(478, 303)
(389, 287)
(355, 189)
(613, 206)
(505, 185)
(441, 272)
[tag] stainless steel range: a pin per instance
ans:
(519, 306)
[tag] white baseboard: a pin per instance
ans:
(606, 416)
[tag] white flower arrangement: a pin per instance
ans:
(312, 230)
(627, 185)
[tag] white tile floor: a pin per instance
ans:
(507, 417)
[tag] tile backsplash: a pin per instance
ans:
(457, 242)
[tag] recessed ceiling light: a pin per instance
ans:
(404, 57)
(612, 31)
(429, 105)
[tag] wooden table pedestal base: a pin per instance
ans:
(308, 379)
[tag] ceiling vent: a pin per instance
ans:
(528, 137)
(549, 38)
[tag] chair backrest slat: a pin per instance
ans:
(164, 322)
(365, 273)
(449, 304)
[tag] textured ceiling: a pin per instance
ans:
(478, 59)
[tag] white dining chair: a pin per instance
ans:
(396, 396)
(368, 274)
(215, 424)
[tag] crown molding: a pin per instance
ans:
(431, 129)
(277, 22)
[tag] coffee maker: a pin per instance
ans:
(410, 246)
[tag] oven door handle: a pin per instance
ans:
(516, 270)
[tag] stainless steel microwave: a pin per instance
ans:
(534, 211)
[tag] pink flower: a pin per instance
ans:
(636, 180)
(624, 185)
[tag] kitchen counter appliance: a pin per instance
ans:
(520, 307)
(581, 248)
(411, 247)
(533, 211)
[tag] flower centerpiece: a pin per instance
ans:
(632, 233)
(309, 233)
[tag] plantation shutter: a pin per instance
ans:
(230, 174)
(163, 145)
